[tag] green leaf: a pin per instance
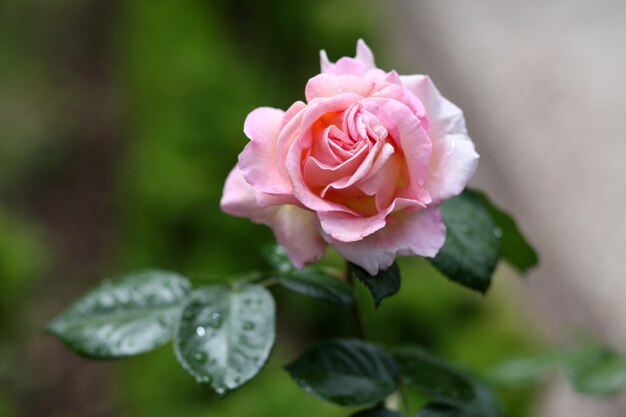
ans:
(514, 248)
(445, 384)
(276, 257)
(347, 372)
(377, 412)
(125, 316)
(596, 370)
(471, 250)
(385, 284)
(226, 334)
(523, 370)
(440, 410)
(317, 283)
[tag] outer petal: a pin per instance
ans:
(295, 228)
(359, 65)
(413, 233)
(444, 116)
(258, 160)
(239, 198)
(344, 227)
(364, 54)
(454, 159)
(328, 85)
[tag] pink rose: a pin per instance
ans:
(362, 165)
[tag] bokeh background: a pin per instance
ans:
(119, 121)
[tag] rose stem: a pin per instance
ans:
(354, 309)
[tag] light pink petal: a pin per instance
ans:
(298, 231)
(266, 200)
(328, 85)
(299, 144)
(295, 228)
(317, 174)
(410, 137)
(238, 198)
(364, 54)
(346, 227)
(419, 233)
(358, 174)
(324, 61)
(453, 163)
(359, 65)
(258, 161)
(444, 116)
(292, 111)
(454, 158)
(384, 182)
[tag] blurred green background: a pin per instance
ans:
(119, 122)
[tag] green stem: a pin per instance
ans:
(405, 399)
(268, 282)
(354, 309)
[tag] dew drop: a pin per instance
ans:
(200, 331)
(216, 320)
(205, 379)
(200, 357)
(497, 232)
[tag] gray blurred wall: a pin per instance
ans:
(543, 85)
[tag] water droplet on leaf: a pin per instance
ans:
(200, 357)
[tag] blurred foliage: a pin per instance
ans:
(189, 72)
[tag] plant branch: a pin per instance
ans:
(354, 309)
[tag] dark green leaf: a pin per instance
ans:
(514, 248)
(346, 372)
(445, 384)
(318, 283)
(125, 316)
(440, 410)
(383, 285)
(377, 412)
(276, 257)
(226, 334)
(471, 250)
(595, 370)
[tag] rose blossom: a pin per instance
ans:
(362, 165)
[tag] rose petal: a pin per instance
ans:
(296, 146)
(298, 231)
(295, 228)
(419, 233)
(258, 162)
(328, 85)
(454, 159)
(238, 198)
(363, 62)
(443, 115)
(365, 54)
(346, 227)
(410, 137)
